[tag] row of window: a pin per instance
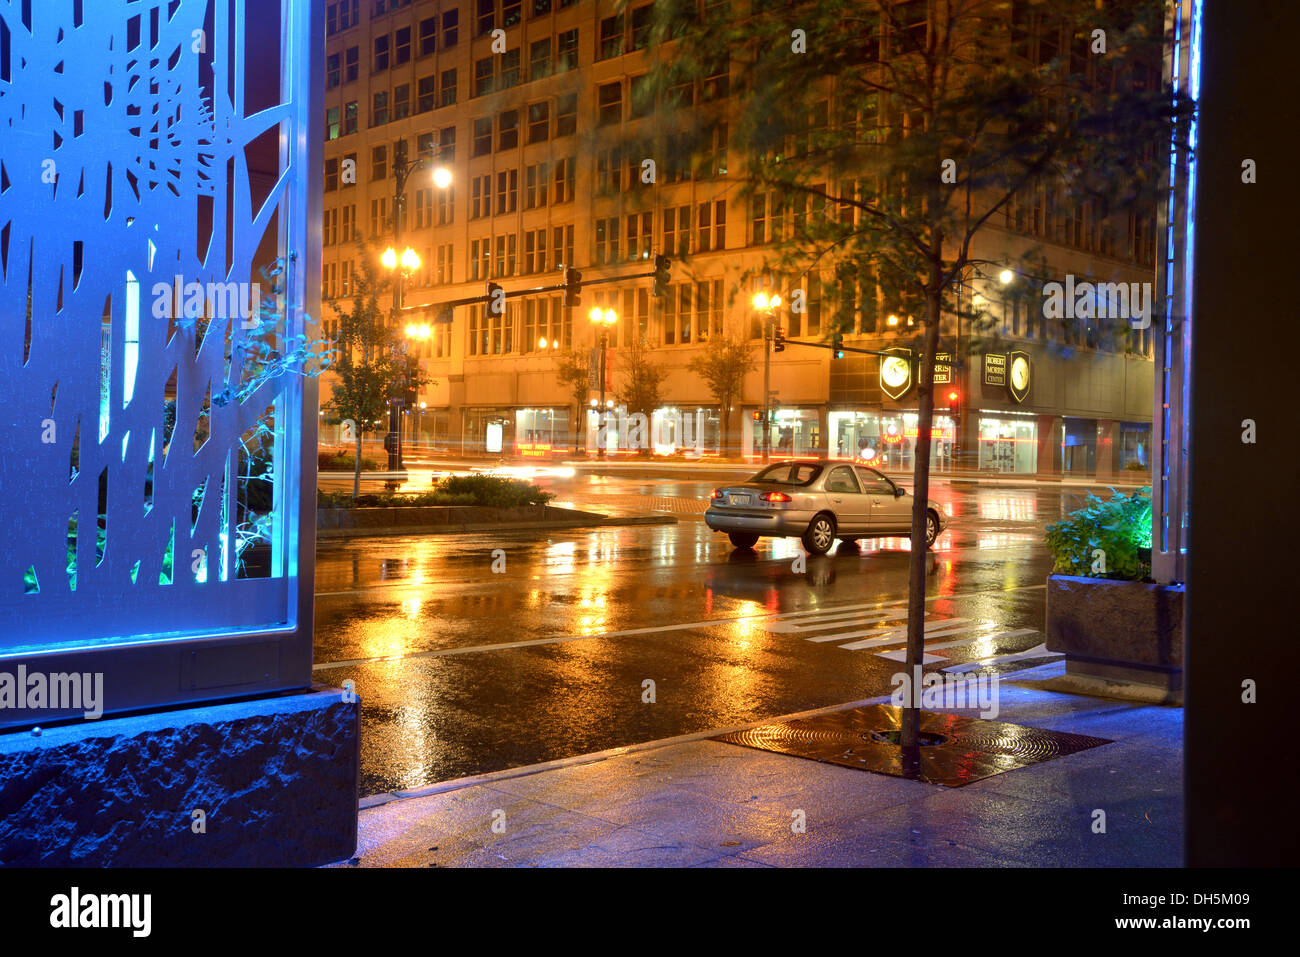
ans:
(547, 249)
(504, 132)
(544, 184)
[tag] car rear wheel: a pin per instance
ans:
(931, 528)
(820, 535)
(742, 539)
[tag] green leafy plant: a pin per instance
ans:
(1119, 527)
(482, 490)
(337, 460)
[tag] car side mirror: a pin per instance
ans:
(899, 491)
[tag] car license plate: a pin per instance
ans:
(739, 499)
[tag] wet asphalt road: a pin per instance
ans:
(463, 669)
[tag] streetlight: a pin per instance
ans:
(1006, 276)
(442, 177)
(767, 304)
(544, 343)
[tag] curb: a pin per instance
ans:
(329, 534)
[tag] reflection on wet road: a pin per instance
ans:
(478, 652)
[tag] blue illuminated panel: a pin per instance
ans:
(159, 225)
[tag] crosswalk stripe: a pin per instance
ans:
(900, 654)
(932, 630)
(1038, 651)
(819, 624)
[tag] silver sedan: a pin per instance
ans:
(817, 501)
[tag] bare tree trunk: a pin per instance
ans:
(356, 469)
(918, 559)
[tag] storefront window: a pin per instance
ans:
(1135, 446)
(1008, 444)
(1079, 445)
(541, 431)
(795, 433)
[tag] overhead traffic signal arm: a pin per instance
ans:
(571, 286)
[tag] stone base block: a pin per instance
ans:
(270, 782)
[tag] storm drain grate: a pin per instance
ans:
(967, 749)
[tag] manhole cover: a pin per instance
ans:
(959, 750)
(928, 739)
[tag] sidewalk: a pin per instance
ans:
(695, 802)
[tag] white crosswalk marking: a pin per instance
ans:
(869, 627)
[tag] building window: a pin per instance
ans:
(487, 10)
(446, 205)
(402, 46)
(330, 227)
(402, 101)
(609, 98)
(567, 51)
(607, 233)
(508, 130)
(379, 109)
(448, 88)
(677, 231)
(331, 175)
(539, 59)
(378, 216)
(564, 180)
(562, 247)
(347, 232)
(507, 191)
(426, 93)
(428, 36)
(483, 76)
(482, 136)
(566, 114)
(536, 180)
(450, 28)
(642, 96)
(539, 121)
(378, 163)
(332, 123)
(350, 117)
(445, 264)
(639, 235)
(509, 75)
(541, 7)
(511, 12)
(447, 145)
(424, 208)
(611, 37)
(535, 251)
(333, 70)
(481, 196)
(641, 26)
(351, 63)
(609, 165)
(379, 61)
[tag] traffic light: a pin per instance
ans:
(496, 299)
(572, 288)
(954, 402)
(661, 274)
(837, 346)
(778, 340)
(412, 377)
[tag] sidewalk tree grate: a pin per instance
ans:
(959, 749)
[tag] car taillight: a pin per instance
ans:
(715, 494)
(774, 497)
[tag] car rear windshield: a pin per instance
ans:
(788, 473)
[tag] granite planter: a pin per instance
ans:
(1119, 631)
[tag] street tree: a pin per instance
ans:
(573, 371)
(723, 365)
(641, 390)
(369, 364)
(878, 138)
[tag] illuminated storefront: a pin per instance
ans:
(669, 430)
(540, 432)
(888, 439)
(1008, 443)
(795, 432)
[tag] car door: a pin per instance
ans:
(890, 513)
(844, 497)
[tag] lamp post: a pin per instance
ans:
(604, 320)
(768, 306)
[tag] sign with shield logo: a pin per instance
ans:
(896, 373)
(1018, 379)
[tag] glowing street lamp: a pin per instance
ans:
(442, 177)
(1006, 276)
